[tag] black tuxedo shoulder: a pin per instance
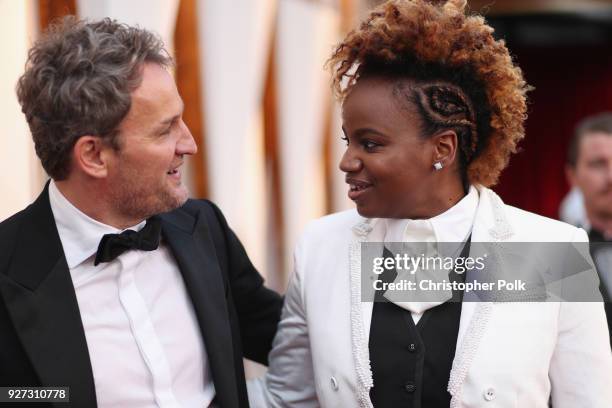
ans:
(11, 225)
(10, 233)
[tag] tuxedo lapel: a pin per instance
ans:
(194, 251)
(42, 304)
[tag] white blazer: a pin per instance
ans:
(508, 355)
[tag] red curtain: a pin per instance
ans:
(570, 83)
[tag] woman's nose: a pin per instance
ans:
(350, 163)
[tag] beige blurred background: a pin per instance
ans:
(257, 101)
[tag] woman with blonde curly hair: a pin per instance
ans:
(433, 106)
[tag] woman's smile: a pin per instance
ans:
(358, 188)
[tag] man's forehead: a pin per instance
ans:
(157, 89)
(597, 139)
(596, 143)
(155, 80)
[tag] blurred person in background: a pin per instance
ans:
(571, 209)
(589, 168)
(113, 283)
(433, 107)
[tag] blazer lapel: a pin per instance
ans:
(368, 230)
(193, 248)
(42, 303)
(490, 225)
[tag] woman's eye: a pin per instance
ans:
(368, 144)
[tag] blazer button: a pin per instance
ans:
(334, 383)
(410, 387)
(489, 394)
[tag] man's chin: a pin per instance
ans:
(179, 197)
(168, 200)
(181, 201)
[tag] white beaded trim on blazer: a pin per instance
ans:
(462, 361)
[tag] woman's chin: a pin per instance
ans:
(367, 212)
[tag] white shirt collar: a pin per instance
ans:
(453, 225)
(80, 234)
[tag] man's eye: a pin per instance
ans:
(597, 164)
(345, 139)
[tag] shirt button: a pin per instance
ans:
(334, 383)
(489, 394)
(410, 387)
(412, 347)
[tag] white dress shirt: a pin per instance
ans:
(143, 337)
(454, 226)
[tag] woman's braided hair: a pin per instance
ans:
(459, 77)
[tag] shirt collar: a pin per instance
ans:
(80, 234)
(453, 225)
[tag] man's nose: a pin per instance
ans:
(186, 144)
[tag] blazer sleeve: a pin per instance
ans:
(289, 381)
(257, 307)
(581, 365)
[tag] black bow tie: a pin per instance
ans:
(113, 245)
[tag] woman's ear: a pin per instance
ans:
(445, 147)
(90, 156)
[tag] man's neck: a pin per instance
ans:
(601, 223)
(90, 199)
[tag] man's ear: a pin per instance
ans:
(445, 147)
(570, 175)
(90, 155)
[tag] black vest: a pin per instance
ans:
(411, 363)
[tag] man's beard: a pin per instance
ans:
(604, 203)
(141, 201)
(604, 214)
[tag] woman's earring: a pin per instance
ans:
(438, 165)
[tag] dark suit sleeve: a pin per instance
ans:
(258, 308)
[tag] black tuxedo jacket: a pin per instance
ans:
(42, 341)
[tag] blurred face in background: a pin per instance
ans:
(593, 173)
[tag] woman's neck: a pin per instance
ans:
(439, 201)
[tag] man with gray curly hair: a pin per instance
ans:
(113, 282)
